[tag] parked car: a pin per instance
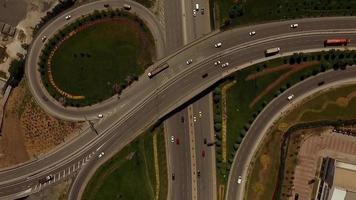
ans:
(106, 5)
(202, 11)
(194, 13)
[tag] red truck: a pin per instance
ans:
(336, 42)
(157, 70)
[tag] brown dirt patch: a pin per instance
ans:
(295, 69)
(268, 71)
(28, 131)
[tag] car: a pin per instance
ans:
(101, 155)
(200, 114)
(290, 97)
(225, 65)
(100, 115)
(172, 139)
(194, 118)
(198, 172)
(196, 7)
(173, 176)
(204, 75)
(188, 62)
(68, 17)
(294, 25)
(217, 45)
(217, 62)
(202, 11)
(203, 153)
(106, 5)
(127, 7)
(252, 33)
(44, 38)
(194, 13)
(46, 179)
(182, 119)
(205, 140)
(239, 180)
(177, 141)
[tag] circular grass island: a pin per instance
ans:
(98, 59)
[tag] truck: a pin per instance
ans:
(337, 42)
(45, 179)
(272, 51)
(157, 70)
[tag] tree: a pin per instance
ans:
(16, 71)
(217, 126)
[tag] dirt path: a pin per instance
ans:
(224, 119)
(296, 68)
(268, 71)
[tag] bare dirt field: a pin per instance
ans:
(57, 191)
(28, 131)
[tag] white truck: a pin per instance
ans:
(272, 51)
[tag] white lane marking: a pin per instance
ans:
(59, 176)
(24, 192)
(99, 147)
(64, 173)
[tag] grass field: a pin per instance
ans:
(259, 185)
(93, 60)
(130, 174)
(256, 11)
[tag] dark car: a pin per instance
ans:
(204, 75)
(106, 5)
(205, 140)
(198, 173)
(173, 176)
(46, 179)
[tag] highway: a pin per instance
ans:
(264, 120)
(185, 160)
(169, 90)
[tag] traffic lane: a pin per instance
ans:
(241, 162)
(202, 20)
(214, 76)
(173, 22)
(204, 153)
(180, 161)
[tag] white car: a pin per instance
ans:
(44, 38)
(101, 155)
(100, 115)
(189, 61)
(217, 62)
(239, 180)
(194, 118)
(217, 45)
(200, 113)
(290, 97)
(194, 13)
(294, 25)
(172, 139)
(68, 17)
(252, 33)
(225, 65)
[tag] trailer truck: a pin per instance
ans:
(272, 51)
(337, 42)
(157, 70)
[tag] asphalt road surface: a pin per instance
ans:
(140, 108)
(264, 120)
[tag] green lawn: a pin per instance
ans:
(92, 61)
(256, 11)
(130, 174)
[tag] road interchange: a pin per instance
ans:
(128, 120)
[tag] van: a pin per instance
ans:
(197, 7)
(127, 7)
